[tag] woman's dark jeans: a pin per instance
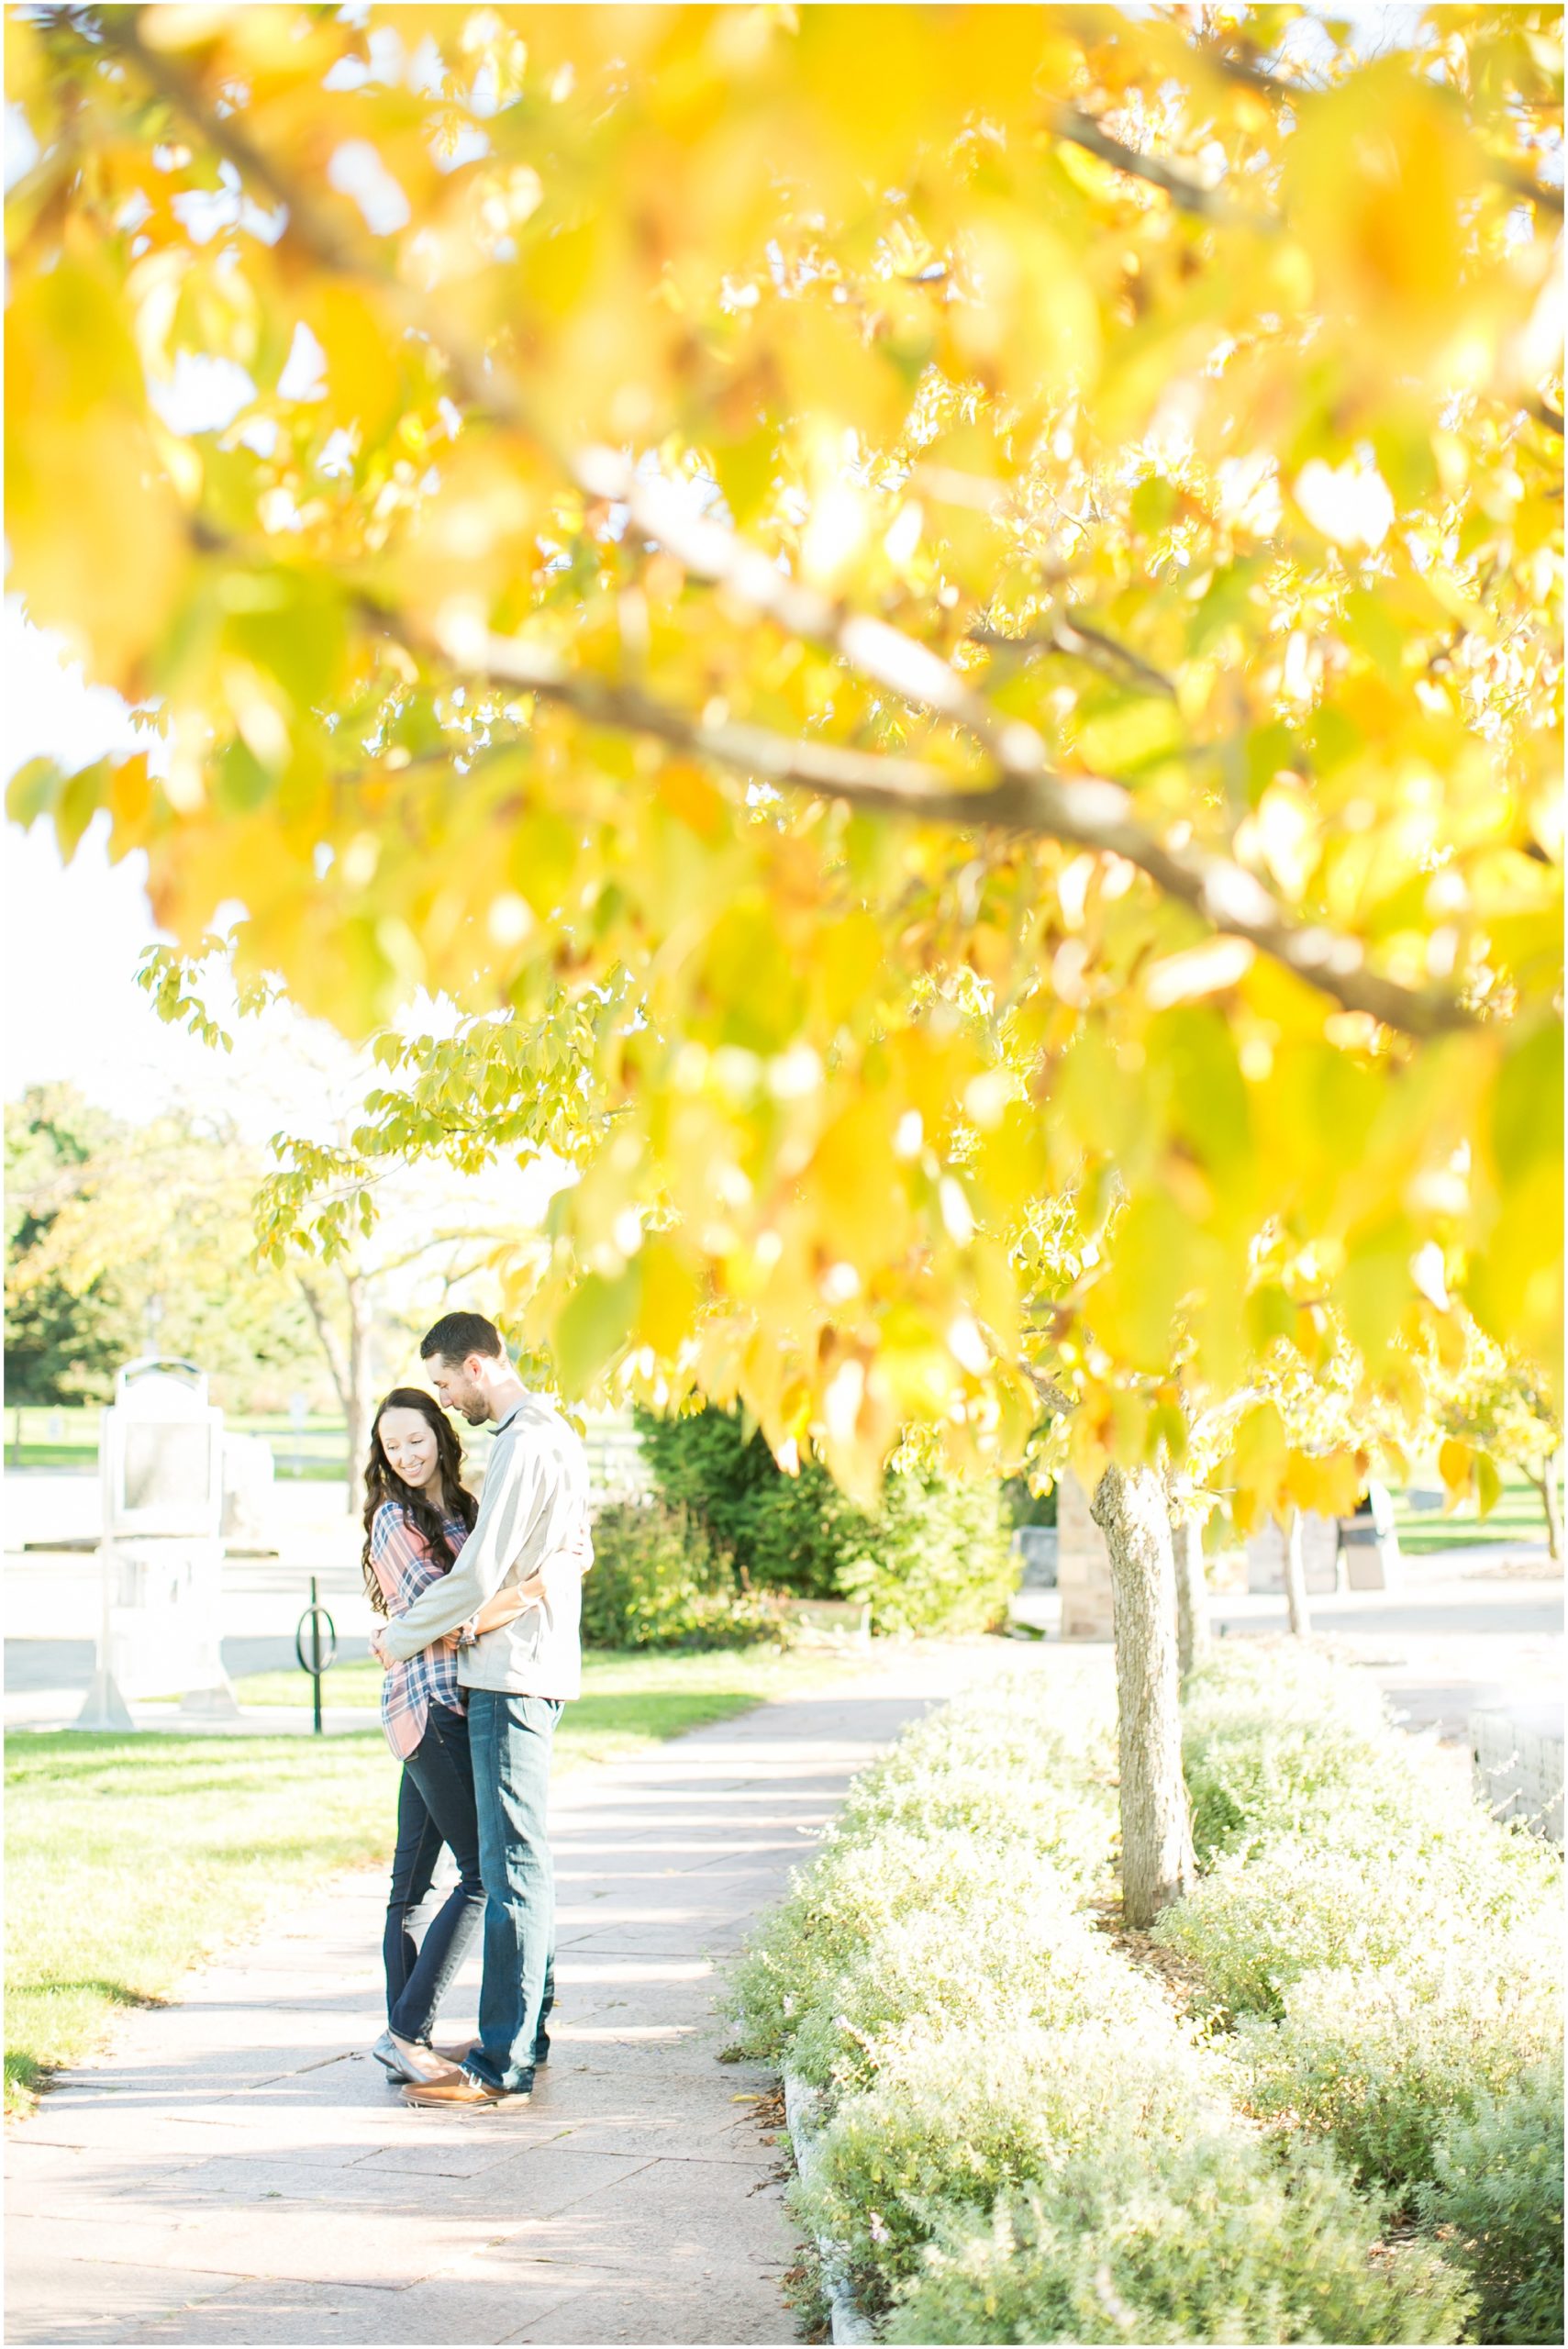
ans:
(435, 1806)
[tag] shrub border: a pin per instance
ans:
(802, 2109)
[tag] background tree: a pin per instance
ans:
(988, 658)
(63, 1343)
(1495, 1412)
(134, 1239)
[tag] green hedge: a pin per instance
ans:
(1216, 2241)
(1023, 2141)
(1496, 2197)
(660, 1580)
(1389, 1956)
(933, 1557)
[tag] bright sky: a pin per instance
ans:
(74, 936)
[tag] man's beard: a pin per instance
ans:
(476, 1412)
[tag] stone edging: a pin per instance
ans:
(804, 2120)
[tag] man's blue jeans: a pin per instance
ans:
(509, 1741)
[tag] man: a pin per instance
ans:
(516, 1677)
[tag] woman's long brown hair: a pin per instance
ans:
(382, 1484)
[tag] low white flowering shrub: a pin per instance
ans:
(1495, 2201)
(1384, 2059)
(1288, 1905)
(1023, 2140)
(994, 1815)
(1222, 2240)
(1392, 1958)
(1009, 1771)
(888, 1931)
(1277, 1740)
(962, 2115)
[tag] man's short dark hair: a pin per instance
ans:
(458, 1335)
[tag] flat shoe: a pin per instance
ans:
(387, 2054)
(418, 2063)
(457, 2050)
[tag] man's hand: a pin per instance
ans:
(377, 1650)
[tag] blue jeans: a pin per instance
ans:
(509, 1741)
(435, 1806)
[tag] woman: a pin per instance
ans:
(417, 1516)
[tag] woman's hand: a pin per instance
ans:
(509, 1604)
(505, 1607)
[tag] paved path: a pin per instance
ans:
(1473, 1628)
(234, 2172)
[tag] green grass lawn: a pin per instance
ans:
(130, 1858)
(1519, 1517)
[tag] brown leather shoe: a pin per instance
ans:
(457, 2050)
(464, 2093)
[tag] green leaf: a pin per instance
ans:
(1527, 1108)
(34, 790)
(1226, 603)
(1202, 1091)
(1269, 748)
(1375, 1286)
(1488, 1484)
(1119, 740)
(593, 1324)
(1375, 632)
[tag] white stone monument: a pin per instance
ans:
(1083, 1564)
(1320, 1555)
(161, 1463)
(248, 1478)
(1371, 1543)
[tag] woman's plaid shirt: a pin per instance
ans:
(404, 1567)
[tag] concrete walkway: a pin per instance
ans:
(236, 2171)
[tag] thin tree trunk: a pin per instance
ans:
(1192, 1594)
(347, 1366)
(332, 1352)
(362, 1398)
(1296, 1579)
(1130, 1508)
(1546, 1486)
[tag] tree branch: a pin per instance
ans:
(1188, 195)
(1023, 795)
(1510, 176)
(1087, 811)
(1079, 642)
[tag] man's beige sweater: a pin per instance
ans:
(535, 1502)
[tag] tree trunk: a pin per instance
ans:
(348, 1366)
(1296, 1579)
(1192, 1594)
(360, 1396)
(1546, 1486)
(1129, 1507)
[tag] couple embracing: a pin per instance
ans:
(481, 1602)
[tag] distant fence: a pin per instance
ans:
(616, 1460)
(39, 1436)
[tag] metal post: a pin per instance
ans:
(317, 1664)
(315, 1660)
